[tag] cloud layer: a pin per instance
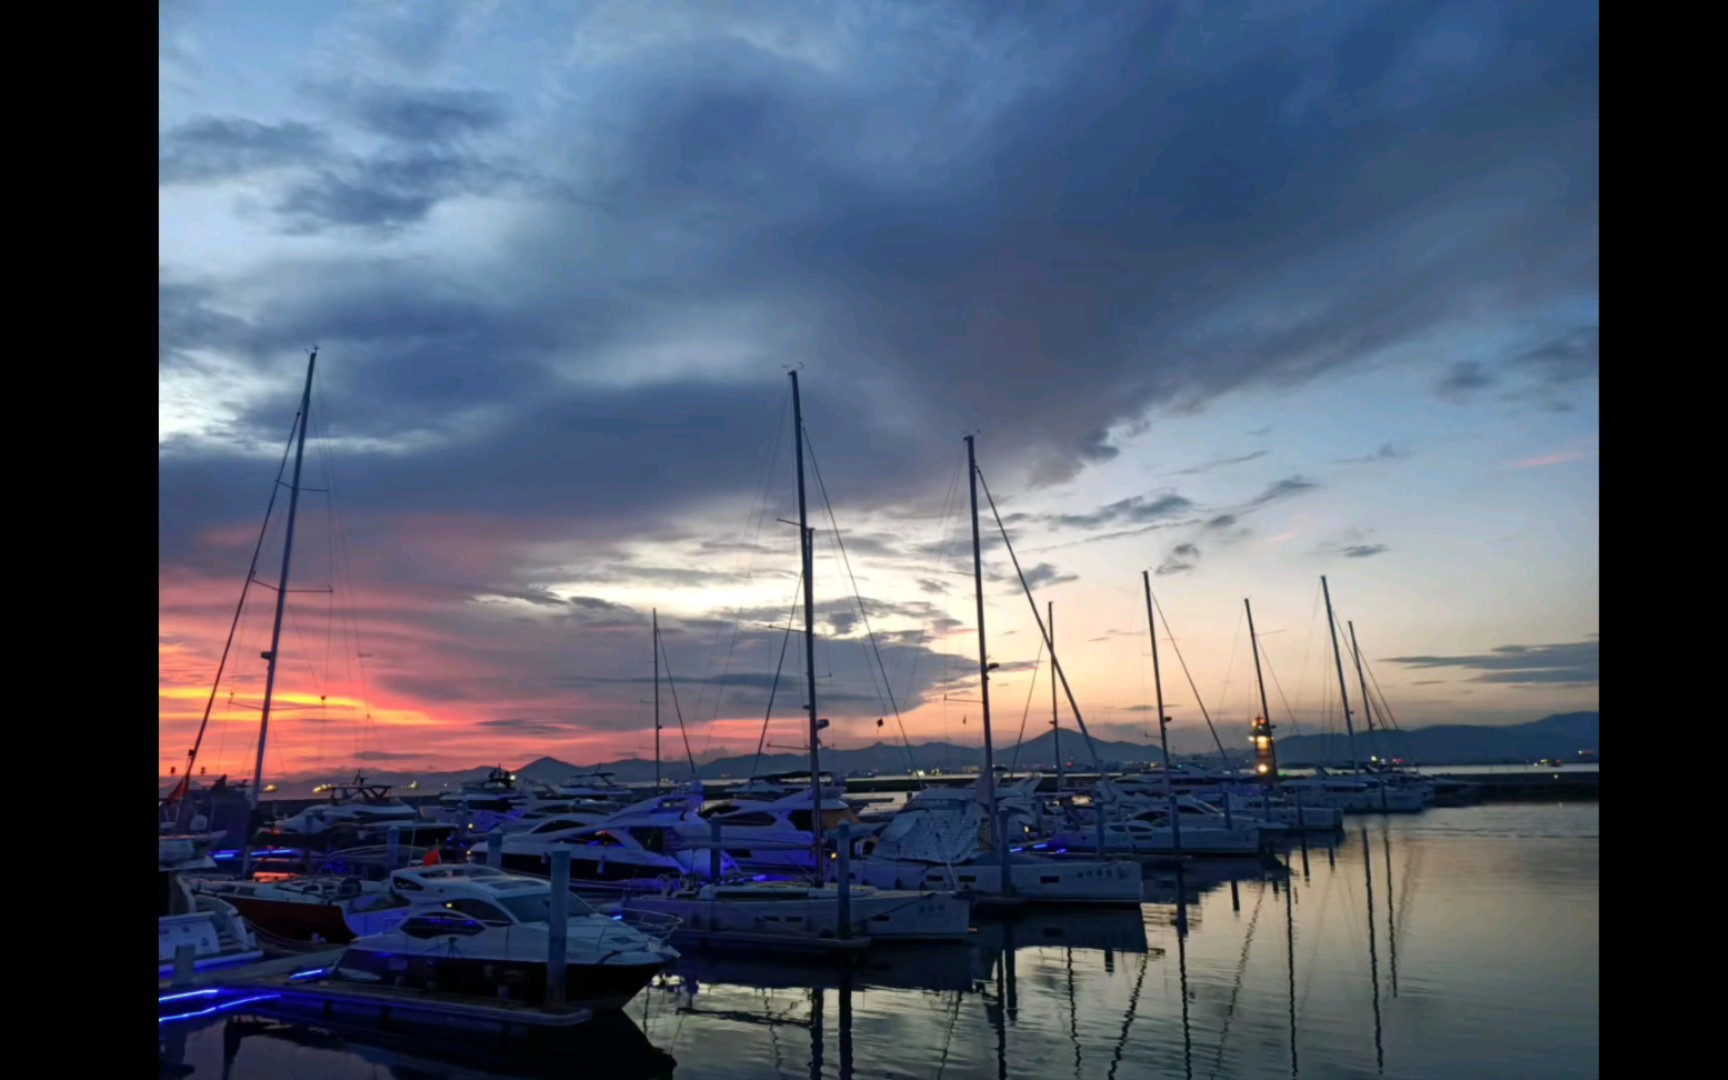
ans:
(557, 277)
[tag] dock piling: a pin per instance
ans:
(843, 877)
(495, 849)
(393, 847)
(714, 850)
(557, 941)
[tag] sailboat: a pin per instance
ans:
(792, 833)
(957, 840)
(1361, 792)
(209, 922)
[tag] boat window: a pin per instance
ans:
(408, 884)
(478, 910)
(758, 818)
(437, 924)
(555, 824)
(537, 907)
(800, 820)
(599, 839)
(652, 840)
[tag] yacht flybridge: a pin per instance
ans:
(782, 834)
(479, 931)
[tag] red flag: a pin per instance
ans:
(430, 858)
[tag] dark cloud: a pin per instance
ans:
(1044, 574)
(1283, 489)
(1220, 463)
(383, 755)
(385, 192)
(604, 361)
(1222, 521)
(1364, 551)
(1463, 379)
(417, 115)
(524, 726)
(1186, 551)
(1387, 452)
(1556, 366)
(1173, 565)
(1135, 510)
(1576, 663)
(213, 148)
(1023, 238)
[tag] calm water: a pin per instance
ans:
(1457, 943)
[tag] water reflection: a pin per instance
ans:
(280, 1045)
(1486, 967)
(1373, 954)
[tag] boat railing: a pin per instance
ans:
(654, 924)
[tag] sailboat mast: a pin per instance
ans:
(1367, 707)
(1163, 721)
(656, 616)
(807, 551)
(1265, 757)
(1055, 725)
(1343, 690)
(282, 582)
(1362, 683)
(983, 659)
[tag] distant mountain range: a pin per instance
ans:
(1560, 736)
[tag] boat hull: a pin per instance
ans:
(1043, 881)
(1195, 841)
(895, 916)
(598, 986)
(296, 920)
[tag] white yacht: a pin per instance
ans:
(636, 856)
(216, 932)
(800, 909)
(1150, 834)
(1356, 794)
(942, 840)
(1280, 810)
(775, 835)
(359, 813)
(479, 931)
(595, 787)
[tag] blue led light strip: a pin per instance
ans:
(217, 1008)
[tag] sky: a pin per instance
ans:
(1238, 294)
